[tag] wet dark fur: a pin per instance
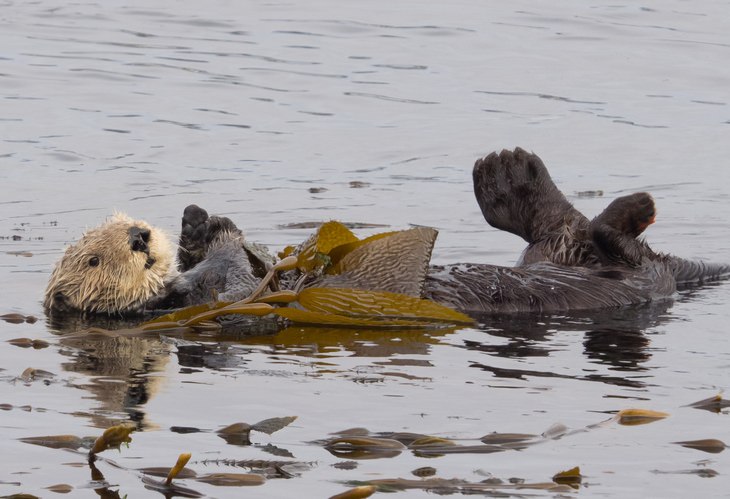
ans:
(571, 263)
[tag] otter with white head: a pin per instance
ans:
(113, 269)
(126, 266)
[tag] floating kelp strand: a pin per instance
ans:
(112, 438)
(570, 477)
(711, 445)
(182, 460)
(279, 297)
(60, 488)
(364, 447)
(632, 417)
(356, 493)
(458, 449)
(507, 438)
(58, 441)
(429, 441)
(272, 425)
(713, 404)
(454, 485)
(288, 263)
(28, 343)
(14, 318)
(232, 479)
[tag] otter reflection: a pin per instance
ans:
(117, 366)
(614, 338)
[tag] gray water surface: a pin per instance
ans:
(275, 113)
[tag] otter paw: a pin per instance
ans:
(199, 231)
(515, 193)
(629, 215)
(192, 244)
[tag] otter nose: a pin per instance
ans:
(60, 304)
(139, 239)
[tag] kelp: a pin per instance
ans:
(570, 477)
(112, 438)
(232, 479)
(633, 417)
(314, 254)
(239, 433)
(455, 485)
(361, 294)
(710, 445)
(28, 343)
(712, 404)
(360, 443)
(356, 493)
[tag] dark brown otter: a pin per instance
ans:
(570, 262)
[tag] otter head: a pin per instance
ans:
(113, 269)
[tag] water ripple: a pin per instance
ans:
(388, 98)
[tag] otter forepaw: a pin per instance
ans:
(192, 245)
(515, 193)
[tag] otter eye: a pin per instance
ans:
(93, 261)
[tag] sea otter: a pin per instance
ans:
(124, 267)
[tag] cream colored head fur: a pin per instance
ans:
(102, 273)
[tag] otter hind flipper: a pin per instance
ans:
(615, 230)
(630, 214)
(515, 193)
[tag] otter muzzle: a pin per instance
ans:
(139, 240)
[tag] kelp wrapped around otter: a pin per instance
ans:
(571, 263)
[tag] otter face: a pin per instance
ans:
(113, 269)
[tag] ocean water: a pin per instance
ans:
(275, 113)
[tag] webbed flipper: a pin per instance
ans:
(615, 230)
(515, 193)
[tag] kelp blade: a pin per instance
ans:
(339, 252)
(633, 417)
(113, 438)
(357, 303)
(397, 262)
(309, 317)
(329, 236)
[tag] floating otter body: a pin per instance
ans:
(570, 263)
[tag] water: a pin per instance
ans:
(273, 113)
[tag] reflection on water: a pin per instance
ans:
(615, 338)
